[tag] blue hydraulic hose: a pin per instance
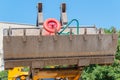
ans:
(77, 22)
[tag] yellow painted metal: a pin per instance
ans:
(17, 72)
(68, 74)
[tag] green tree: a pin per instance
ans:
(3, 75)
(97, 72)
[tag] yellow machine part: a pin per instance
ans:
(17, 72)
(66, 74)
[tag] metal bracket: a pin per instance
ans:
(113, 34)
(9, 32)
(99, 34)
(71, 34)
(24, 35)
(40, 16)
(40, 35)
(63, 18)
(55, 36)
(85, 33)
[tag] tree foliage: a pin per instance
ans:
(3, 75)
(96, 72)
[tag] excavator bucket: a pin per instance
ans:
(25, 47)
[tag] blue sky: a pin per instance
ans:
(103, 13)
